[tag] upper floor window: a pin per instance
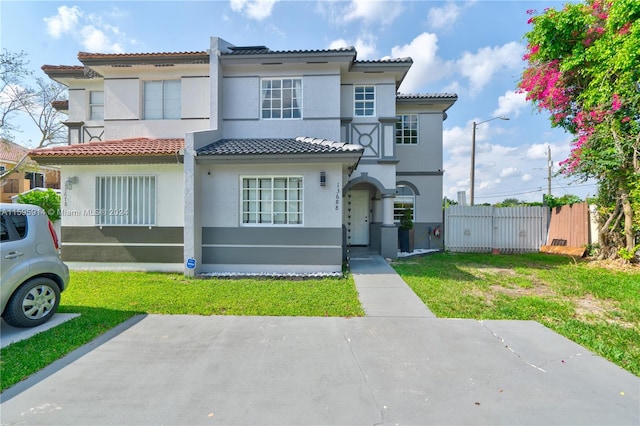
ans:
(272, 200)
(364, 101)
(126, 200)
(96, 105)
(407, 129)
(281, 98)
(162, 100)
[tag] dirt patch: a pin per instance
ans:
(537, 290)
(499, 271)
(590, 309)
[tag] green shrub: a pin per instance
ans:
(48, 200)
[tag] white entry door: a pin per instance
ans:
(359, 218)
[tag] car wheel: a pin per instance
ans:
(33, 303)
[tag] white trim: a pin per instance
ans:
(364, 101)
(402, 137)
(125, 244)
(301, 201)
(125, 266)
(298, 98)
(270, 246)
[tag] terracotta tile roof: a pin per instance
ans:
(62, 71)
(113, 148)
(11, 152)
(299, 145)
(60, 105)
(88, 55)
(62, 68)
(129, 59)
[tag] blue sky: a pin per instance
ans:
(472, 48)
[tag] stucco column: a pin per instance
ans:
(389, 231)
(387, 209)
(192, 225)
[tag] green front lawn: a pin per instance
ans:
(106, 299)
(595, 306)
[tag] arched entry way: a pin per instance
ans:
(368, 216)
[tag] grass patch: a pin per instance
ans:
(597, 307)
(106, 299)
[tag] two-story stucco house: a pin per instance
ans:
(244, 159)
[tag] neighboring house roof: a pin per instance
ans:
(60, 105)
(11, 152)
(299, 145)
(124, 150)
(56, 72)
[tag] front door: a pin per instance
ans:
(359, 218)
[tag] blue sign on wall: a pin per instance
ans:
(191, 263)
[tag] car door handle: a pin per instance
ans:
(14, 254)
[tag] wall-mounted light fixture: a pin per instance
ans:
(323, 178)
(71, 180)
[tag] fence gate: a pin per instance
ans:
(485, 228)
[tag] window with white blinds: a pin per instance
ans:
(126, 200)
(162, 99)
(96, 105)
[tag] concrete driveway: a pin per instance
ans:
(398, 365)
(328, 371)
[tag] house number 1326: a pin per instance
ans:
(337, 195)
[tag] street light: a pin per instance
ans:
(473, 151)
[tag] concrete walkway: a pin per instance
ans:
(382, 292)
(398, 365)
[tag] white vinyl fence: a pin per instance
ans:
(484, 229)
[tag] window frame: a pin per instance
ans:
(296, 98)
(246, 201)
(362, 104)
(32, 177)
(402, 128)
(409, 202)
(163, 100)
(93, 106)
(122, 214)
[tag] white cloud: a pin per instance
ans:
(89, 31)
(253, 9)
(442, 17)
(509, 171)
(480, 67)
(365, 46)
(383, 12)
(95, 40)
(510, 104)
(526, 177)
(427, 66)
(65, 21)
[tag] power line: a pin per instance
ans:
(531, 191)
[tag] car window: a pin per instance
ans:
(4, 232)
(19, 222)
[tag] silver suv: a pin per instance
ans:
(32, 272)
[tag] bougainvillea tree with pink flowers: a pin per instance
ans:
(583, 68)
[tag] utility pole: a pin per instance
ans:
(549, 169)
